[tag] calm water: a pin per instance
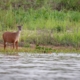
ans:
(40, 67)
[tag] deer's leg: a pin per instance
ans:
(13, 45)
(16, 45)
(4, 45)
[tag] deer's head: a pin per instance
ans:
(19, 28)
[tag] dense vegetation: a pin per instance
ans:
(46, 22)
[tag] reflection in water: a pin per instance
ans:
(40, 67)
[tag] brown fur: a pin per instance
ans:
(11, 37)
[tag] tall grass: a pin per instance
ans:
(42, 25)
(39, 19)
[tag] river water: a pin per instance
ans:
(28, 66)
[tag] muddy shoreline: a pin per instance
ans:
(40, 49)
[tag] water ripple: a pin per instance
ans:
(40, 67)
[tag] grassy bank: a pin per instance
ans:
(44, 27)
(40, 49)
(43, 24)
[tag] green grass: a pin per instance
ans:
(46, 37)
(40, 49)
(42, 25)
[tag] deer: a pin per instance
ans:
(12, 37)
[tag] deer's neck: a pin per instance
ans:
(18, 31)
(18, 35)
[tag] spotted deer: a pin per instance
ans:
(12, 37)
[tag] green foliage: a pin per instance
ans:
(43, 49)
(42, 22)
(26, 45)
(37, 4)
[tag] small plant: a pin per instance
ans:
(59, 28)
(43, 49)
(26, 45)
